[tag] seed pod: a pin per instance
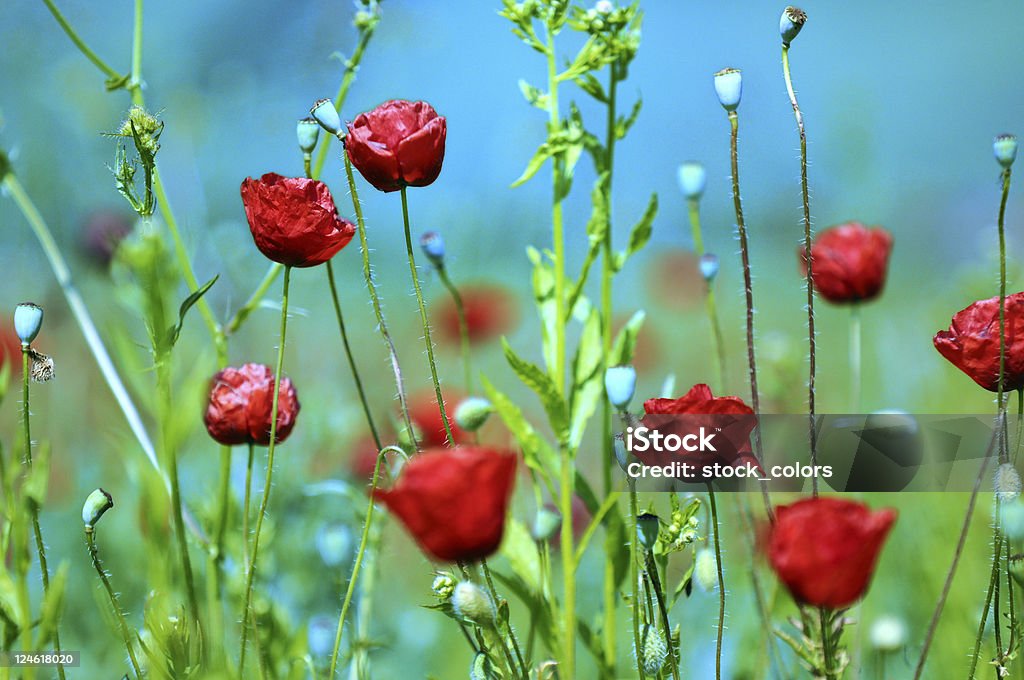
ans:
(323, 112)
(693, 178)
(307, 132)
(792, 20)
(729, 87)
(28, 319)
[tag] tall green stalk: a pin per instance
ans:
(693, 211)
(122, 624)
(721, 581)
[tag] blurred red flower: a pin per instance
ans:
(454, 501)
(972, 342)
(397, 144)
(850, 262)
(102, 233)
(825, 549)
(491, 312)
(10, 347)
(241, 403)
(674, 279)
(293, 220)
(426, 417)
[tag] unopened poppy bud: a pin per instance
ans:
(334, 543)
(654, 652)
(888, 634)
(1005, 149)
(729, 86)
(433, 247)
(443, 587)
(28, 319)
(1007, 482)
(472, 413)
(622, 455)
(307, 132)
(693, 178)
(708, 266)
(473, 604)
(620, 385)
(705, 570)
(545, 524)
(793, 19)
(98, 502)
(647, 528)
(323, 112)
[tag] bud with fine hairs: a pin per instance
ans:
(648, 526)
(323, 112)
(792, 20)
(654, 652)
(705, 569)
(1005, 149)
(1007, 482)
(729, 87)
(473, 604)
(443, 586)
(98, 502)
(693, 178)
(472, 413)
(28, 319)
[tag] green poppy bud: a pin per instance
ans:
(307, 132)
(98, 502)
(473, 604)
(654, 652)
(647, 529)
(472, 413)
(545, 524)
(693, 178)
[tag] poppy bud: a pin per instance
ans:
(443, 586)
(620, 385)
(472, 413)
(1007, 482)
(888, 634)
(433, 247)
(654, 652)
(709, 266)
(473, 604)
(307, 132)
(621, 453)
(545, 524)
(705, 570)
(98, 502)
(792, 20)
(28, 319)
(1005, 149)
(693, 177)
(729, 86)
(647, 527)
(334, 543)
(850, 262)
(323, 112)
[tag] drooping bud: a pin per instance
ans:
(473, 604)
(546, 523)
(792, 20)
(323, 112)
(1005, 149)
(1007, 482)
(705, 570)
(708, 266)
(307, 132)
(432, 245)
(620, 385)
(654, 652)
(888, 634)
(647, 528)
(98, 502)
(334, 542)
(729, 87)
(472, 413)
(693, 178)
(443, 586)
(28, 319)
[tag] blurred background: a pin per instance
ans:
(901, 102)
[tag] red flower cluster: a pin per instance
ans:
(293, 220)
(397, 144)
(454, 501)
(972, 342)
(241, 403)
(825, 549)
(490, 313)
(850, 262)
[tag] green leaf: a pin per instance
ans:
(685, 583)
(592, 86)
(625, 342)
(544, 387)
(537, 454)
(544, 297)
(543, 153)
(174, 331)
(51, 608)
(640, 234)
(587, 375)
(535, 96)
(521, 551)
(623, 124)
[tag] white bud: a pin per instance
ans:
(705, 570)
(729, 86)
(709, 265)
(693, 177)
(473, 604)
(1007, 482)
(888, 634)
(620, 385)
(98, 502)
(28, 319)
(654, 652)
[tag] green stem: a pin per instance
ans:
(1001, 220)
(375, 299)
(216, 561)
(508, 628)
(246, 610)
(634, 557)
(693, 210)
(80, 44)
(992, 588)
(826, 644)
(122, 624)
(460, 310)
(247, 500)
(423, 319)
(855, 358)
(659, 595)
(721, 581)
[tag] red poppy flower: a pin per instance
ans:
(241, 403)
(10, 347)
(490, 313)
(397, 144)
(426, 417)
(972, 342)
(825, 549)
(293, 220)
(729, 418)
(850, 262)
(454, 501)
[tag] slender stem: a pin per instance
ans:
(1010, 603)
(247, 501)
(693, 210)
(508, 629)
(855, 358)
(826, 644)
(414, 273)
(992, 588)
(748, 287)
(80, 44)
(460, 310)
(254, 300)
(808, 262)
(375, 299)
(246, 610)
(216, 561)
(122, 624)
(351, 359)
(634, 557)
(721, 581)
(1002, 296)
(652, 573)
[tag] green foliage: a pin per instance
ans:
(144, 130)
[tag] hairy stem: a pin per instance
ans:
(122, 624)
(721, 581)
